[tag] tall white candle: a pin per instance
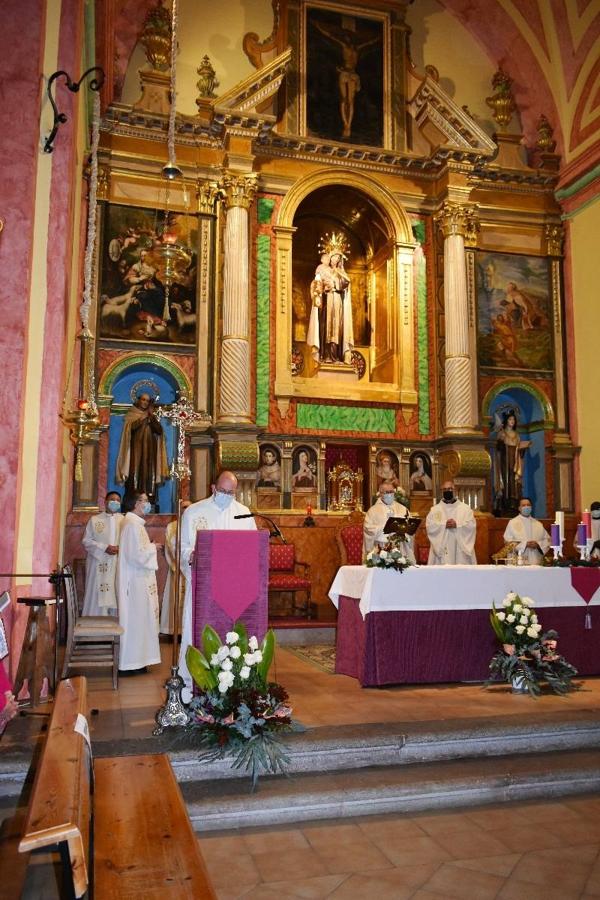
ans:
(560, 520)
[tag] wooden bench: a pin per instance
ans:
(120, 823)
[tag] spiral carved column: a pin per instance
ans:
(234, 393)
(457, 223)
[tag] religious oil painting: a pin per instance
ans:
(147, 281)
(514, 312)
(387, 468)
(304, 469)
(269, 471)
(420, 480)
(345, 77)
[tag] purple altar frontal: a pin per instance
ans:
(439, 644)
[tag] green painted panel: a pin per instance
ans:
(318, 417)
(264, 210)
(263, 274)
(422, 342)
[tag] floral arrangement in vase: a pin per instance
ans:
(529, 655)
(389, 556)
(237, 711)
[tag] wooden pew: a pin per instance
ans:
(122, 831)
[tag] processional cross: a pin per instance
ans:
(184, 417)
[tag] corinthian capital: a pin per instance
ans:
(239, 190)
(454, 218)
(206, 194)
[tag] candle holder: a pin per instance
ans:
(583, 552)
(556, 552)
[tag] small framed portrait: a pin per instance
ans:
(387, 468)
(304, 469)
(420, 480)
(268, 475)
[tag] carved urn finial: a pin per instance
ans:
(502, 101)
(545, 141)
(156, 37)
(207, 82)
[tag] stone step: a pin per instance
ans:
(229, 803)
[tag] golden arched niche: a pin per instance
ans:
(379, 238)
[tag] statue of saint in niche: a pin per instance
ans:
(330, 329)
(142, 461)
(509, 464)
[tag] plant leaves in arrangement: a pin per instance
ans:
(200, 669)
(268, 651)
(210, 641)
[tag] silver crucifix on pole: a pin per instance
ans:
(184, 417)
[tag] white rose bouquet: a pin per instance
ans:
(528, 654)
(236, 710)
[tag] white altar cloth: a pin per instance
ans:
(428, 588)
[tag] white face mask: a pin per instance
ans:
(222, 500)
(388, 499)
(596, 514)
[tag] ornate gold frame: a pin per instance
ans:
(403, 389)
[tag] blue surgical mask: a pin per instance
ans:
(525, 511)
(388, 499)
(147, 508)
(113, 506)
(222, 500)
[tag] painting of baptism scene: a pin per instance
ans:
(300, 556)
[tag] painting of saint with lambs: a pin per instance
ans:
(136, 302)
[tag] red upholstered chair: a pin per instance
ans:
(288, 574)
(350, 543)
(422, 554)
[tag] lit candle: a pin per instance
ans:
(586, 518)
(581, 535)
(555, 535)
(309, 510)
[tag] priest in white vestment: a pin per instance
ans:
(137, 591)
(168, 601)
(384, 508)
(528, 533)
(101, 543)
(451, 530)
(217, 513)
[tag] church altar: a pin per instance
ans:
(431, 624)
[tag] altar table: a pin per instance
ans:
(431, 623)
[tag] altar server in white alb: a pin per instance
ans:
(136, 586)
(217, 513)
(530, 535)
(168, 600)
(451, 529)
(101, 542)
(595, 535)
(384, 508)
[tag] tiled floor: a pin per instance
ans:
(525, 851)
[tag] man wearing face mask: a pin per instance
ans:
(216, 513)
(384, 508)
(101, 542)
(531, 537)
(451, 530)
(595, 535)
(136, 587)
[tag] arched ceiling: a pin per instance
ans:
(551, 48)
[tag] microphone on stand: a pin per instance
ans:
(276, 530)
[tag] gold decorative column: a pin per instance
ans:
(459, 226)
(234, 382)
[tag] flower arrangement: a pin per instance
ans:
(237, 712)
(389, 557)
(401, 497)
(528, 655)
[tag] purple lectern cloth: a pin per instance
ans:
(229, 582)
(446, 645)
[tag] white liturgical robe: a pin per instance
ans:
(168, 600)
(374, 524)
(202, 515)
(100, 597)
(138, 596)
(523, 529)
(451, 546)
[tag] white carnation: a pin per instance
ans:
(527, 601)
(245, 672)
(253, 643)
(226, 665)
(402, 560)
(222, 653)
(223, 688)
(537, 628)
(534, 618)
(524, 620)
(517, 608)
(232, 637)
(235, 652)
(520, 629)
(249, 659)
(501, 616)
(383, 554)
(257, 656)
(214, 660)
(506, 602)
(511, 596)
(510, 618)
(532, 631)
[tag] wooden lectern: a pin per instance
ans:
(229, 582)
